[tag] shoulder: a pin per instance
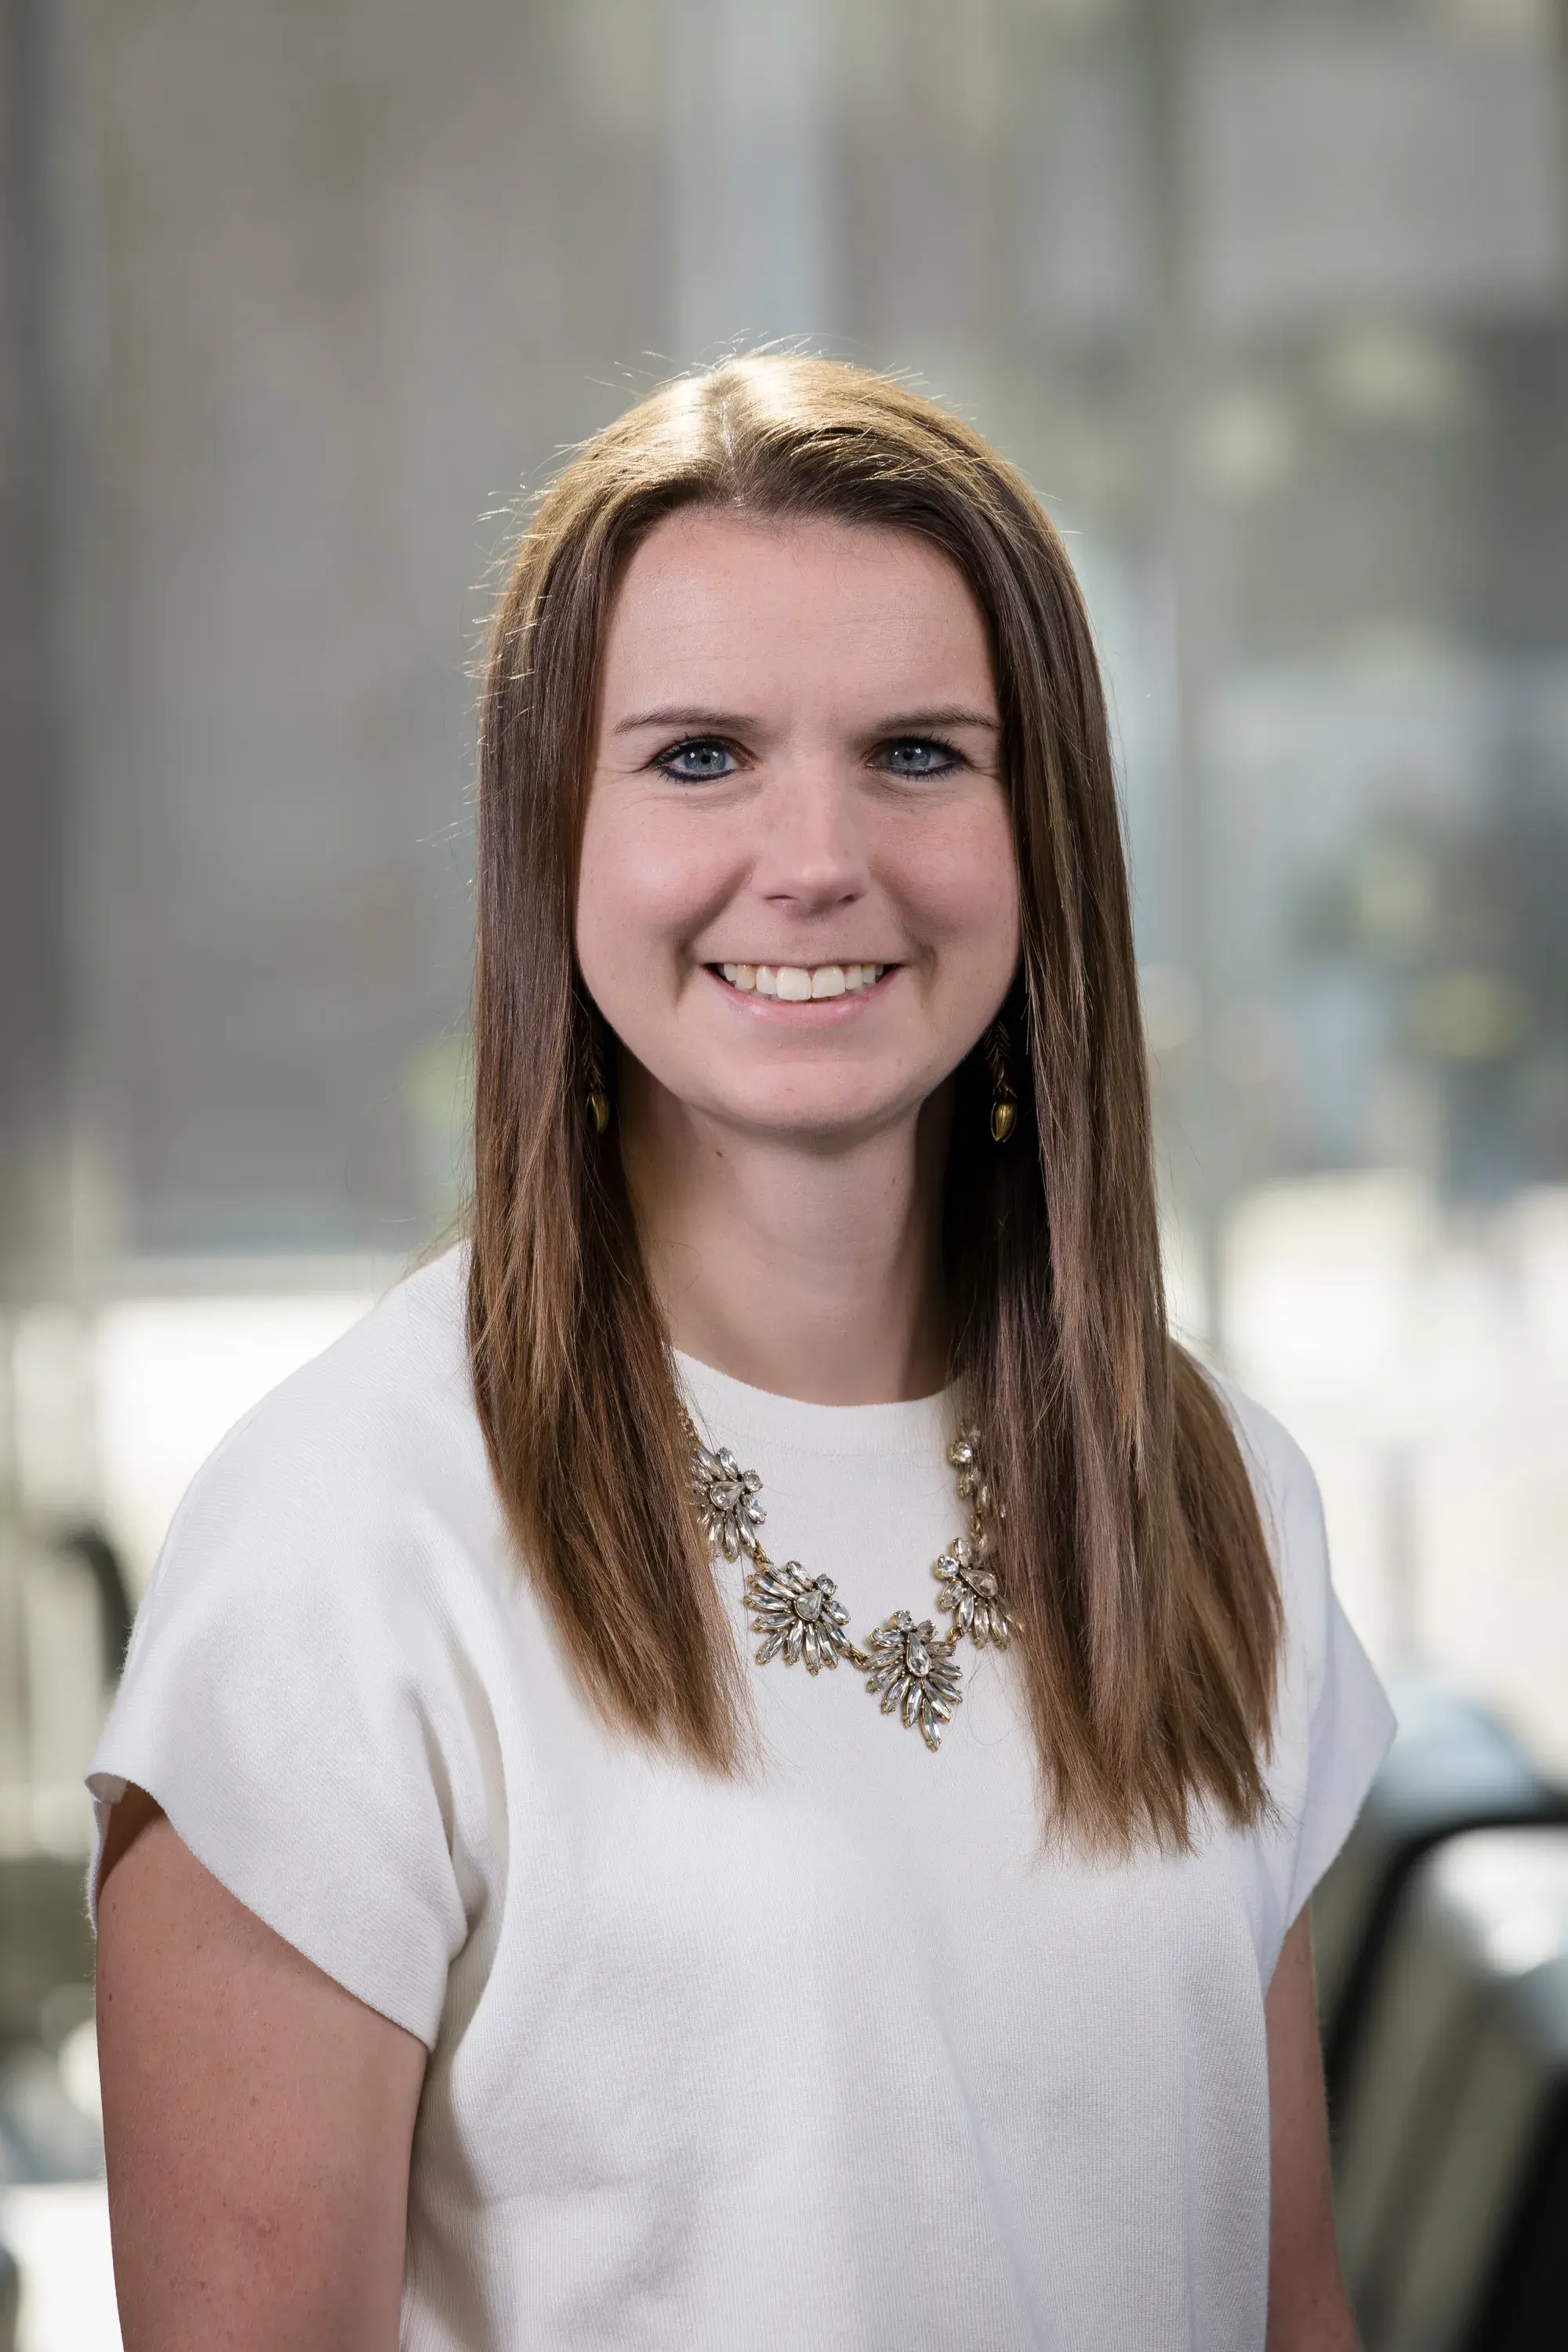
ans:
(356, 1461)
(1282, 1477)
(1332, 1722)
(307, 1693)
(382, 1413)
(1291, 1509)
(1286, 1487)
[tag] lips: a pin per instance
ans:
(800, 983)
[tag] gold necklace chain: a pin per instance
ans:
(911, 1668)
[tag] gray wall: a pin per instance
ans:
(1269, 300)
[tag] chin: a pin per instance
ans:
(828, 1116)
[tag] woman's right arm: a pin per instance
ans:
(257, 2119)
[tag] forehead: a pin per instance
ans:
(711, 597)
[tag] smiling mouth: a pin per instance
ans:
(800, 983)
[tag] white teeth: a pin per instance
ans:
(798, 985)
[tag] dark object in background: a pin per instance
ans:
(10, 2299)
(115, 1613)
(1519, 2082)
(1525, 2306)
(1453, 2157)
(1453, 1766)
(45, 1940)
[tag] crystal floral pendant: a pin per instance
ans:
(913, 1671)
(726, 1500)
(798, 1614)
(968, 1589)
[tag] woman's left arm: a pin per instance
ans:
(1308, 2310)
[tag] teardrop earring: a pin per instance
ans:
(598, 1100)
(998, 1052)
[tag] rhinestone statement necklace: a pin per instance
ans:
(911, 1668)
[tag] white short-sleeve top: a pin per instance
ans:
(839, 2054)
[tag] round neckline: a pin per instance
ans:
(725, 1408)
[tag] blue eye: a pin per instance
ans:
(920, 755)
(702, 761)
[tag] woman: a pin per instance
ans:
(491, 1947)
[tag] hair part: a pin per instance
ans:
(1147, 1615)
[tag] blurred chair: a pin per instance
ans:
(116, 1611)
(1453, 2170)
(1524, 2048)
(1453, 1766)
(45, 1940)
(59, 1694)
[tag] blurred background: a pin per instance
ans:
(1268, 299)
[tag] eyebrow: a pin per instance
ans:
(711, 722)
(733, 722)
(915, 722)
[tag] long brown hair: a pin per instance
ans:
(1135, 1563)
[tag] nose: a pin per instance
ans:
(811, 855)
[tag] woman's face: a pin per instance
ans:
(798, 899)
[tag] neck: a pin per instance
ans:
(812, 1272)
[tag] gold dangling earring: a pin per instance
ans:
(598, 1100)
(999, 1062)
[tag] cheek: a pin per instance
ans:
(964, 881)
(644, 885)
